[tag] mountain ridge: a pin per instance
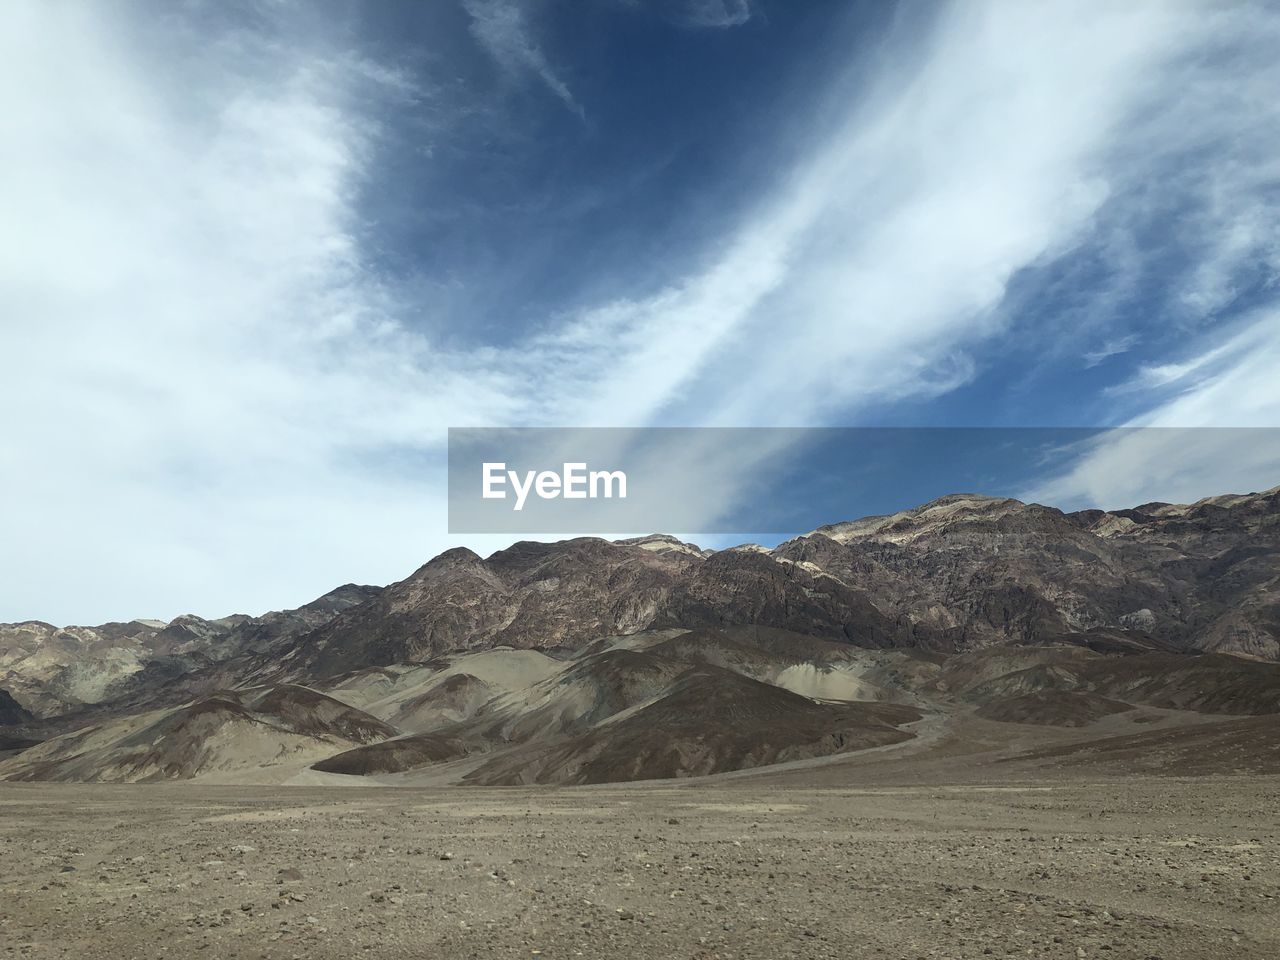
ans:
(1009, 631)
(960, 572)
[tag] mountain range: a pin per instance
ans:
(590, 660)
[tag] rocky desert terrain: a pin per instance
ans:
(842, 865)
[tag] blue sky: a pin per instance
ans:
(259, 255)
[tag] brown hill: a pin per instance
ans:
(455, 698)
(54, 671)
(611, 691)
(1210, 683)
(1054, 708)
(231, 732)
(1247, 746)
(395, 756)
(1206, 683)
(423, 697)
(712, 720)
(529, 595)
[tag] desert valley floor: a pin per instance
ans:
(931, 849)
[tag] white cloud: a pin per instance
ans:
(198, 366)
(885, 253)
(1109, 349)
(1217, 431)
(502, 28)
(715, 14)
(1214, 398)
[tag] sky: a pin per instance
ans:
(257, 256)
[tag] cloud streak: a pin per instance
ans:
(502, 28)
(1202, 166)
(1199, 440)
(715, 14)
(884, 255)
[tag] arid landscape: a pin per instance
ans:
(825, 863)
(975, 728)
(640, 480)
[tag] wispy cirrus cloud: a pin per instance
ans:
(1198, 439)
(1109, 349)
(1200, 183)
(881, 259)
(714, 14)
(503, 28)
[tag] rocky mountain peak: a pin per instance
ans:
(907, 525)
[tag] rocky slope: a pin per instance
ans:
(962, 572)
(708, 721)
(11, 711)
(664, 704)
(959, 573)
(231, 733)
(52, 670)
(529, 595)
(968, 571)
(587, 660)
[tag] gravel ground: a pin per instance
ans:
(1118, 869)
